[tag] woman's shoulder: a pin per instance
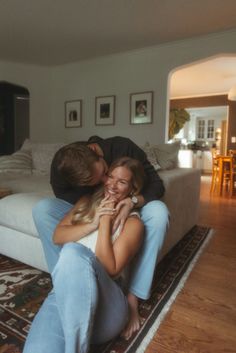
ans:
(134, 218)
(135, 214)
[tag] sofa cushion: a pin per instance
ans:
(16, 211)
(25, 183)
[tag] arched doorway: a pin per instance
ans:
(14, 117)
(206, 83)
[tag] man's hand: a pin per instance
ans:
(123, 209)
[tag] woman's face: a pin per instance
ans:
(119, 183)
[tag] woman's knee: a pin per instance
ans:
(74, 255)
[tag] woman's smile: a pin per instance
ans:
(119, 183)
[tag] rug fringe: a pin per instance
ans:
(180, 286)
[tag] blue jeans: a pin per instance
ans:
(85, 306)
(48, 212)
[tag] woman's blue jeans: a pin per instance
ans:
(85, 306)
(48, 212)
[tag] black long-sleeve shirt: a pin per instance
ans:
(113, 148)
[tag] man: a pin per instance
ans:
(76, 170)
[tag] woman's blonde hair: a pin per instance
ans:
(87, 208)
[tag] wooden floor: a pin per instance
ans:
(203, 316)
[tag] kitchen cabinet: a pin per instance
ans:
(196, 159)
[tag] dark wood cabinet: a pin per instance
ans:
(14, 117)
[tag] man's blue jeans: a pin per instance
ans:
(85, 306)
(48, 212)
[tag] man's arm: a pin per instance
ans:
(153, 187)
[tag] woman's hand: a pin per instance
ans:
(106, 208)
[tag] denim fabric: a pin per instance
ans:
(48, 212)
(86, 306)
(155, 217)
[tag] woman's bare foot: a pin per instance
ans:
(135, 319)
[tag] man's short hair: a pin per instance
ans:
(76, 163)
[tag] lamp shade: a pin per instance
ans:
(232, 94)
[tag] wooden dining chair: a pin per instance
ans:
(215, 171)
(232, 153)
(223, 174)
(226, 170)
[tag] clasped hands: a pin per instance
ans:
(118, 211)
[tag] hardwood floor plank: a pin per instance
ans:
(203, 317)
(188, 338)
(200, 305)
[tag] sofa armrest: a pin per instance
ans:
(182, 199)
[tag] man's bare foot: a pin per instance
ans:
(135, 319)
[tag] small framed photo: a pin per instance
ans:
(105, 110)
(141, 107)
(73, 113)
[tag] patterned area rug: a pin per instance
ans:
(23, 288)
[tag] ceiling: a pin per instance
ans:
(220, 112)
(210, 77)
(48, 32)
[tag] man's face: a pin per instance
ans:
(99, 172)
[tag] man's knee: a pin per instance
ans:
(156, 212)
(50, 210)
(42, 207)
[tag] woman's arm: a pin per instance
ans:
(116, 256)
(66, 232)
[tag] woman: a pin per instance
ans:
(87, 305)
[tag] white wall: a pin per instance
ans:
(122, 74)
(117, 75)
(137, 71)
(38, 82)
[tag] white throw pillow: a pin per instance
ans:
(18, 162)
(27, 145)
(151, 156)
(42, 155)
(167, 154)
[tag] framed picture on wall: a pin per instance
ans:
(73, 113)
(105, 110)
(141, 108)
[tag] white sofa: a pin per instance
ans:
(18, 235)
